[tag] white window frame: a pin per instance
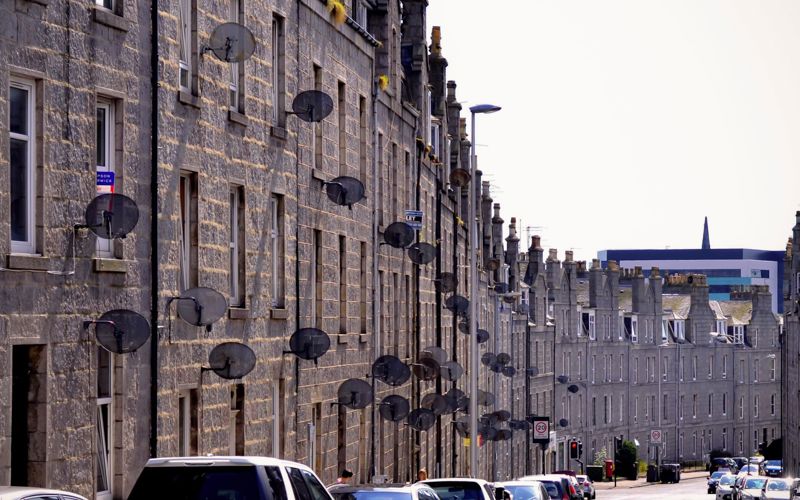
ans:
(106, 4)
(105, 431)
(277, 238)
(694, 405)
(756, 400)
(680, 329)
(105, 247)
(634, 328)
(621, 326)
(711, 366)
(664, 330)
(185, 13)
(664, 368)
(772, 399)
(755, 370)
(724, 403)
(435, 137)
(621, 367)
(235, 197)
(722, 327)
(741, 407)
(592, 326)
(28, 245)
(635, 409)
(681, 404)
(724, 438)
(738, 334)
(724, 366)
(278, 79)
(185, 226)
(710, 405)
(772, 369)
(694, 367)
(233, 100)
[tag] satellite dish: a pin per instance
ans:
(312, 106)
(446, 283)
(532, 371)
(483, 336)
(462, 426)
(398, 235)
(201, 306)
(231, 360)
(463, 327)
(456, 400)
(459, 177)
(504, 358)
(437, 353)
(485, 398)
(309, 343)
(452, 371)
(457, 304)
(426, 368)
(345, 191)
(492, 264)
(502, 415)
(120, 330)
(488, 433)
(355, 394)
(488, 359)
(421, 419)
(390, 370)
(231, 42)
(562, 379)
(503, 435)
(509, 371)
(573, 388)
(111, 216)
(435, 403)
(519, 425)
(394, 408)
(422, 253)
(496, 367)
(501, 287)
(563, 422)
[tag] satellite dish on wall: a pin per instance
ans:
(457, 304)
(345, 191)
(201, 306)
(504, 358)
(496, 367)
(509, 371)
(312, 106)
(502, 415)
(446, 283)
(503, 435)
(309, 343)
(488, 359)
(501, 287)
(563, 422)
(231, 360)
(519, 425)
(394, 408)
(422, 253)
(421, 419)
(111, 216)
(573, 388)
(488, 433)
(462, 426)
(483, 336)
(456, 400)
(120, 330)
(532, 371)
(562, 379)
(435, 403)
(398, 235)
(231, 43)
(426, 369)
(437, 353)
(451, 371)
(355, 394)
(459, 177)
(390, 370)
(485, 398)
(463, 327)
(492, 264)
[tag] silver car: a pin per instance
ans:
(525, 490)
(776, 489)
(751, 488)
(27, 493)
(724, 487)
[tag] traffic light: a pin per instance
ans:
(573, 449)
(580, 448)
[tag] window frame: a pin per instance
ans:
(187, 41)
(278, 249)
(278, 39)
(188, 226)
(236, 87)
(105, 247)
(105, 429)
(28, 245)
(236, 246)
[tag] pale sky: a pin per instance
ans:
(624, 123)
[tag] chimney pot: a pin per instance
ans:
(613, 266)
(553, 254)
(595, 263)
(568, 256)
(536, 242)
(654, 272)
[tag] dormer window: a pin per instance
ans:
(722, 326)
(634, 329)
(592, 329)
(435, 141)
(664, 330)
(680, 329)
(738, 334)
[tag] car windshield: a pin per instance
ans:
(777, 486)
(749, 468)
(754, 484)
(717, 475)
(460, 490)
(524, 492)
(773, 463)
(372, 495)
(726, 480)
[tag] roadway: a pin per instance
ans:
(687, 489)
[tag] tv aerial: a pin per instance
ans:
(457, 304)
(451, 371)
(390, 370)
(354, 393)
(446, 283)
(231, 43)
(231, 360)
(421, 419)
(345, 191)
(312, 106)
(111, 216)
(309, 343)
(394, 408)
(435, 403)
(422, 253)
(398, 235)
(120, 330)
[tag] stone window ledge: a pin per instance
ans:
(279, 313)
(102, 265)
(108, 18)
(28, 262)
(189, 99)
(238, 313)
(41, 2)
(239, 118)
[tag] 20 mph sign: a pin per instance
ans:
(655, 436)
(541, 430)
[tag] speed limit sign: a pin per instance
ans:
(655, 436)
(541, 430)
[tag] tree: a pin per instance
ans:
(601, 456)
(627, 457)
(717, 453)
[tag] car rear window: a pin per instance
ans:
(553, 488)
(754, 484)
(372, 495)
(198, 483)
(306, 486)
(524, 492)
(457, 490)
(726, 480)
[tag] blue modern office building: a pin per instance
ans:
(725, 268)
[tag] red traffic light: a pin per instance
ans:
(573, 449)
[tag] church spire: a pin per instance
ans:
(706, 242)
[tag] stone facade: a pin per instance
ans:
(790, 396)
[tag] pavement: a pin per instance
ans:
(642, 481)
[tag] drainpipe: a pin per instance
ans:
(154, 88)
(376, 306)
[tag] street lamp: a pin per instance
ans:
(473, 296)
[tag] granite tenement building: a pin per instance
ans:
(790, 393)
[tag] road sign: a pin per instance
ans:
(655, 436)
(414, 218)
(541, 430)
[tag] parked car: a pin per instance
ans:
(772, 468)
(751, 488)
(28, 493)
(749, 470)
(525, 490)
(776, 489)
(564, 489)
(200, 478)
(724, 487)
(713, 479)
(587, 485)
(740, 461)
(465, 488)
(722, 463)
(416, 491)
